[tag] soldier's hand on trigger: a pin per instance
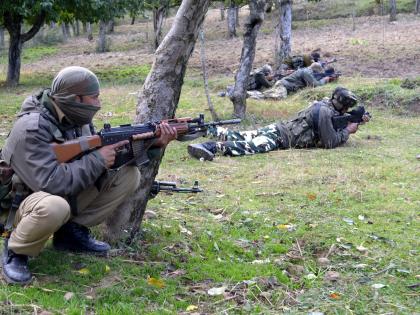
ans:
(167, 134)
(352, 127)
(109, 152)
(365, 118)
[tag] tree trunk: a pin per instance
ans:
(237, 15)
(89, 31)
(77, 28)
(392, 10)
(159, 98)
(284, 31)
(252, 26)
(102, 37)
(133, 19)
(111, 26)
(84, 27)
(64, 31)
(13, 24)
(205, 78)
(67, 26)
(231, 21)
(417, 9)
(222, 11)
(1, 37)
(158, 16)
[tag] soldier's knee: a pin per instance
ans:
(55, 209)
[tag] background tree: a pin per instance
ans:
(284, 31)
(392, 10)
(231, 19)
(158, 100)
(13, 13)
(252, 26)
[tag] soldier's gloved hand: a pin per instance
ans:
(109, 152)
(167, 134)
(352, 127)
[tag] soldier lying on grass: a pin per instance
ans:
(312, 127)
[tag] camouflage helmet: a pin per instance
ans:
(342, 97)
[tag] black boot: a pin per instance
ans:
(205, 150)
(77, 238)
(15, 267)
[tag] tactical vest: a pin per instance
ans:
(301, 127)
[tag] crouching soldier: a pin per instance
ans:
(63, 199)
(312, 127)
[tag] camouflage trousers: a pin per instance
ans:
(236, 143)
(277, 92)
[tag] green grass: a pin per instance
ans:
(31, 54)
(253, 212)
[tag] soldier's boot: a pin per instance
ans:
(205, 150)
(15, 267)
(77, 238)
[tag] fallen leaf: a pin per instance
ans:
(260, 262)
(362, 249)
(310, 276)
(216, 291)
(360, 266)
(107, 268)
(89, 297)
(322, 261)
(155, 282)
(191, 308)
(378, 286)
(348, 221)
(216, 247)
(335, 296)
(68, 296)
(184, 230)
(311, 197)
(84, 271)
(332, 276)
(288, 227)
(361, 217)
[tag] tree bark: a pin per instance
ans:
(89, 31)
(64, 32)
(392, 10)
(284, 31)
(77, 28)
(1, 37)
(160, 94)
(237, 15)
(110, 26)
(252, 26)
(222, 11)
(158, 16)
(133, 19)
(269, 6)
(205, 78)
(13, 24)
(231, 21)
(417, 8)
(102, 37)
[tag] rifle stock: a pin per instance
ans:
(69, 150)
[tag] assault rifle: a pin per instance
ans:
(354, 116)
(159, 186)
(141, 137)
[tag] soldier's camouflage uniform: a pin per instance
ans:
(298, 132)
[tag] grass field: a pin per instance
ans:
(292, 231)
